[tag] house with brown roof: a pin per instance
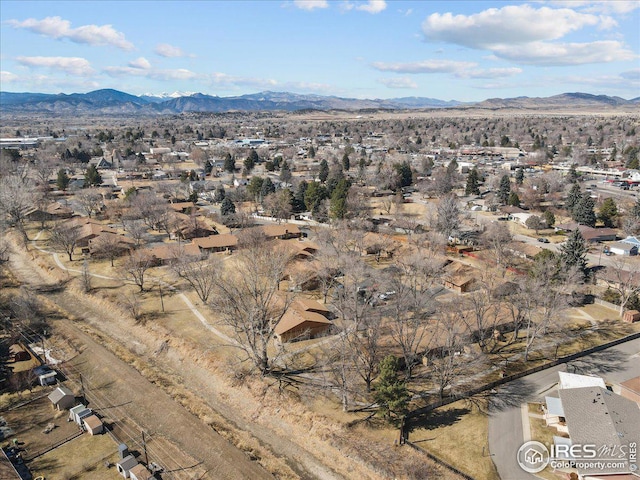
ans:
(53, 211)
(459, 277)
(303, 320)
(282, 231)
(216, 243)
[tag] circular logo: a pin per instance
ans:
(533, 457)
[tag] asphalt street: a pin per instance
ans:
(615, 365)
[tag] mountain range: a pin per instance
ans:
(109, 101)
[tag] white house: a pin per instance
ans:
(623, 248)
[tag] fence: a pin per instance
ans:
(516, 376)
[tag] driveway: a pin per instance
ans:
(616, 364)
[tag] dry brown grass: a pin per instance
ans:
(456, 428)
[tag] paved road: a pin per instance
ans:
(615, 364)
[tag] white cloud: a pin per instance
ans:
(631, 74)
(141, 62)
(70, 65)
(601, 6)
(453, 67)
(398, 82)
(57, 28)
(557, 54)
(425, 66)
(156, 74)
(169, 51)
(311, 4)
(373, 6)
(513, 24)
(8, 77)
(490, 72)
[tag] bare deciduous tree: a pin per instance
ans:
(108, 246)
(136, 266)
(248, 299)
(65, 238)
(90, 202)
(17, 196)
(623, 277)
(201, 275)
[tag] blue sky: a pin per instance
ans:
(463, 50)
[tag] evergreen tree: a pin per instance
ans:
(572, 175)
(267, 188)
(220, 194)
(298, 204)
(549, 218)
(255, 187)
(472, 183)
(514, 200)
(504, 190)
(314, 195)
(92, 176)
(251, 160)
(338, 205)
(346, 163)
(324, 171)
(404, 173)
(584, 213)
(312, 152)
(574, 197)
(519, 176)
(229, 163)
(227, 207)
(390, 392)
(285, 172)
(62, 182)
(573, 253)
(608, 212)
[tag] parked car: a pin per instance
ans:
(543, 240)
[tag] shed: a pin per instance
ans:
(631, 389)
(93, 425)
(631, 316)
(125, 465)
(48, 378)
(62, 398)
(140, 472)
(79, 413)
(623, 248)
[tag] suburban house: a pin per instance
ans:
(459, 277)
(100, 162)
(125, 243)
(282, 231)
(304, 319)
(165, 253)
(53, 211)
(597, 416)
(587, 413)
(62, 398)
(623, 248)
(216, 243)
(183, 207)
(595, 235)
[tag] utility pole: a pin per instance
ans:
(144, 446)
(82, 387)
(161, 299)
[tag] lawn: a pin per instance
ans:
(461, 426)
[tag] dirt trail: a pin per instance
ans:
(241, 412)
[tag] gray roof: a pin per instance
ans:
(128, 462)
(59, 393)
(599, 417)
(554, 406)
